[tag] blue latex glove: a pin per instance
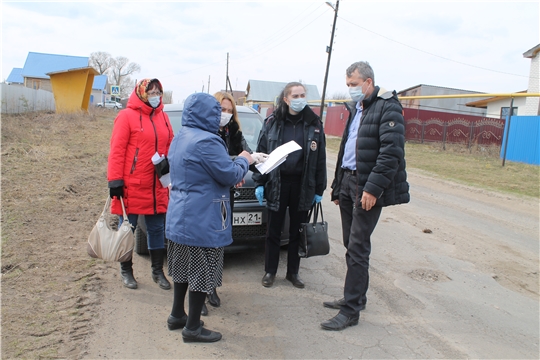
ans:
(259, 194)
(317, 199)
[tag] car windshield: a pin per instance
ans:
(250, 124)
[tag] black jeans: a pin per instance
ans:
(357, 226)
(289, 197)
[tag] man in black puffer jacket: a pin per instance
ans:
(370, 174)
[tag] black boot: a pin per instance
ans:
(126, 271)
(158, 276)
(213, 299)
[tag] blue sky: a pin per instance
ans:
(475, 46)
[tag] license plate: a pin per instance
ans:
(248, 218)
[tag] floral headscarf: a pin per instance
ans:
(142, 87)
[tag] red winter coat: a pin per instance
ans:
(139, 131)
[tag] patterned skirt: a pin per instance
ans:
(200, 267)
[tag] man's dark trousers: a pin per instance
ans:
(357, 226)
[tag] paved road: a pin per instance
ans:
(468, 289)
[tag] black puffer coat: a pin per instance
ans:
(314, 171)
(380, 150)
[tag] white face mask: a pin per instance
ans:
(356, 93)
(154, 101)
(225, 118)
(298, 104)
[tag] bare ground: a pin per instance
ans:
(452, 240)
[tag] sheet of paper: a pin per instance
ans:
(277, 157)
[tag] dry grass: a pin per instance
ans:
(478, 166)
(53, 188)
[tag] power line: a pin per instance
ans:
(272, 48)
(270, 39)
(427, 52)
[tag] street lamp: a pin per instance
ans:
(329, 51)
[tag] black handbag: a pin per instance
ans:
(314, 235)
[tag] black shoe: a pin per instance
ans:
(295, 279)
(156, 257)
(126, 271)
(174, 323)
(204, 310)
(161, 280)
(337, 304)
(340, 322)
(213, 299)
(129, 281)
(200, 335)
(268, 279)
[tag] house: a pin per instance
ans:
(37, 66)
(499, 106)
(239, 96)
(446, 105)
(99, 89)
(15, 77)
(261, 95)
(259, 91)
(532, 104)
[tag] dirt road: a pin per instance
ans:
(454, 274)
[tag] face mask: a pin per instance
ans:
(225, 118)
(298, 104)
(356, 93)
(154, 101)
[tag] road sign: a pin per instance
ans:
(115, 90)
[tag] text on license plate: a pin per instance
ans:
(248, 218)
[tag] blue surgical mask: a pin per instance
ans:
(154, 101)
(356, 93)
(298, 104)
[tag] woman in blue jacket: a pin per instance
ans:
(198, 217)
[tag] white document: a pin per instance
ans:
(277, 157)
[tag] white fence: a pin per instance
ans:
(18, 99)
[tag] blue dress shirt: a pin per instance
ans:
(349, 154)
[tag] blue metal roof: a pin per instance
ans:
(100, 81)
(15, 76)
(37, 65)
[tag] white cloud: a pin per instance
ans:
(447, 44)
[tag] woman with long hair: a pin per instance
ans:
(296, 184)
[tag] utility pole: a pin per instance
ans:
(209, 84)
(227, 74)
(329, 51)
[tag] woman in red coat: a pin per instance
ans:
(139, 132)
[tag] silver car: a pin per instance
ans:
(249, 217)
(110, 104)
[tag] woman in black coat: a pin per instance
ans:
(296, 184)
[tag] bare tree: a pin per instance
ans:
(101, 61)
(126, 86)
(122, 68)
(167, 97)
(340, 96)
